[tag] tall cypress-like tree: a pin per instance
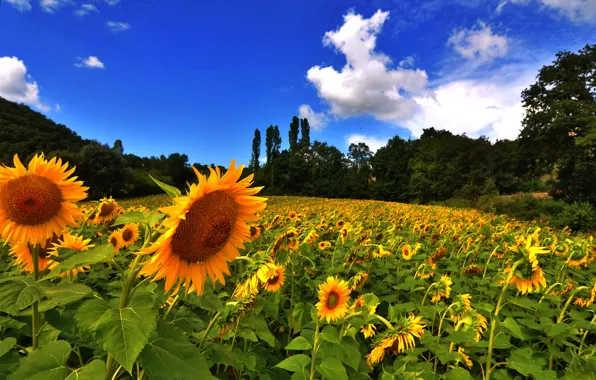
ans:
(118, 147)
(256, 151)
(276, 142)
(293, 133)
(269, 143)
(305, 127)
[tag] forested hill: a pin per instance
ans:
(25, 131)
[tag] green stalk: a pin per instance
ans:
(35, 318)
(209, 327)
(426, 294)
(314, 351)
(579, 350)
(495, 319)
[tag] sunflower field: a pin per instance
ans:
(217, 282)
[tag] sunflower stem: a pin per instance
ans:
(579, 350)
(314, 351)
(427, 290)
(165, 317)
(562, 315)
(384, 321)
(35, 307)
(209, 327)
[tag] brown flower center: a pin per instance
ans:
(114, 241)
(44, 251)
(31, 200)
(207, 228)
(106, 209)
(332, 300)
(253, 231)
(127, 235)
(273, 280)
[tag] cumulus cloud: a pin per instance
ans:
(92, 62)
(490, 106)
(367, 84)
(85, 9)
(316, 120)
(112, 2)
(374, 143)
(20, 5)
(15, 85)
(116, 26)
(57, 108)
(479, 44)
(52, 6)
(576, 10)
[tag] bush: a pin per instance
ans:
(579, 216)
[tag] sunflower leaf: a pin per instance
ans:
(95, 255)
(171, 191)
(67, 292)
(332, 368)
(299, 343)
(46, 363)
(10, 291)
(96, 370)
(169, 355)
(295, 363)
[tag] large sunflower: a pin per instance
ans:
(398, 340)
(38, 201)
(274, 279)
(73, 242)
(333, 299)
(107, 211)
(24, 259)
(204, 230)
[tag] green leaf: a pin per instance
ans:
(521, 361)
(514, 327)
(29, 296)
(169, 355)
(332, 368)
(467, 337)
(330, 334)
(259, 325)
(96, 370)
(301, 315)
(295, 363)
(208, 300)
(10, 290)
(95, 255)
(299, 343)
(458, 374)
(6, 345)
(46, 363)
(10, 323)
(121, 332)
(171, 191)
(67, 292)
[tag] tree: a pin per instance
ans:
(256, 151)
(390, 170)
(305, 128)
(293, 134)
(269, 144)
(118, 147)
(360, 154)
(276, 141)
(559, 129)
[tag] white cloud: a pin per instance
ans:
(490, 106)
(52, 6)
(112, 2)
(366, 85)
(479, 44)
(57, 108)
(116, 26)
(14, 83)
(374, 143)
(576, 10)
(20, 5)
(91, 62)
(316, 120)
(85, 9)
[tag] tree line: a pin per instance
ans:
(555, 152)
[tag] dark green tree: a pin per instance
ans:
(269, 137)
(559, 129)
(390, 170)
(305, 138)
(256, 151)
(293, 134)
(276, 141)
(118, 147)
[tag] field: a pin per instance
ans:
(407, 292)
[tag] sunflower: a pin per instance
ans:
(255, 232)
(368, 330)
(292, 215)
(204, 230)
(38, 202)
(472, 320)
(406, 252)
(116, 240)
(473, 270)
(529, 276)
(358, 303)
(73, 242)
(443, 289)
(333, 299)
(275, 280)
(399, 340)
(129, 234)
(462, 305)
(323, 245)
(24, 259)
(358, 280)
(107, 210)
(247, 289)
(311, 237)
(464, 358)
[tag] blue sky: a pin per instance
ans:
(198, 77)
